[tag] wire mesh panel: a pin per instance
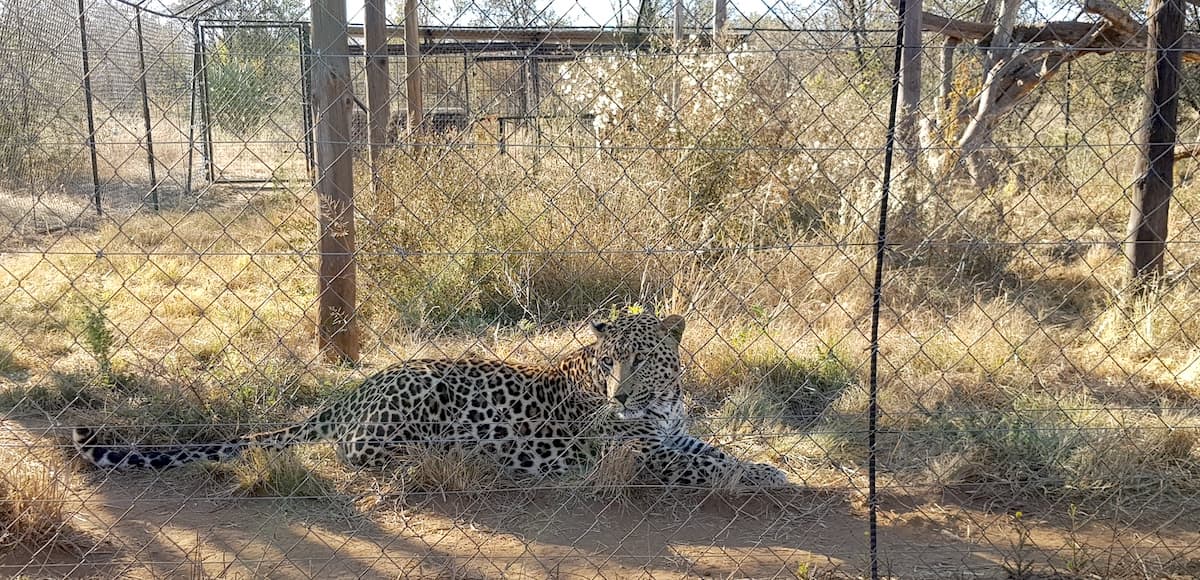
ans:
(44, 129)
(254, 93)
(614, 301)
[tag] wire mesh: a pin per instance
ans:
(1034, 417)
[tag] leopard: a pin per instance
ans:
(546, 420)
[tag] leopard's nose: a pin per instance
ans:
(621, 398)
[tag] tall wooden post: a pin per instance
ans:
(147, 123)
(378, 92)
(1146, 244)
(412, 68)
(910, 83)
(677, 23)
(337, 325)
(720, 14)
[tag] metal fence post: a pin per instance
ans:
(146, 112)
(87, 96)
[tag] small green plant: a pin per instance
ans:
(98, 339)
(1019, 564)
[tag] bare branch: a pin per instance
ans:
(1120, 31)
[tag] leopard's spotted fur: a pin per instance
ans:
(535, 420)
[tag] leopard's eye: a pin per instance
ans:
(606, 361)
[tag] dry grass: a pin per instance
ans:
(611, 475)
(455, 470)
(33, 509)
(1011, 365)
(261, 473)
(776, 336)
(37, 503)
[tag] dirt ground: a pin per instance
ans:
(187, 523)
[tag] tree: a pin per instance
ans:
(236, 10)
(1024, 58)
(430, 13)
(251, 72)
(509, 13)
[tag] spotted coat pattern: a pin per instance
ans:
(535, 420)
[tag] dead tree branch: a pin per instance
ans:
(1122, 31)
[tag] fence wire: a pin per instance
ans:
(997, 403)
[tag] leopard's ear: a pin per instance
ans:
(83, 435)
(600, 329)
(674, 325)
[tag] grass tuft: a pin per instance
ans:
(613, 473)
(9, 361)
(452, 470)
(261, 473)
(35, 507)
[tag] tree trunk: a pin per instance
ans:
(977, 137)
(947, 88)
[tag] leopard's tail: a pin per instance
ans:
(130, 457)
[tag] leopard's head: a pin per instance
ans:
(637, 360)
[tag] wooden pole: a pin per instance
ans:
(677, 27)
(677, 37)
(1145, 244)
(412, 67)
(720, 14)
(910, 82)
(378, 91)
(337, 326)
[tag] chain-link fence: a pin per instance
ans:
(1000, 402)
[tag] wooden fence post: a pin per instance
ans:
(720, 15)
(910, 84)
(412, 67)
(1145, 243)
(337, 325)
(378, 91)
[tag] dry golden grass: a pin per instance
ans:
(611, 476)
(37, 504)
(451, 471)
(33, 510)
(261, 473)
(1007, 351)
